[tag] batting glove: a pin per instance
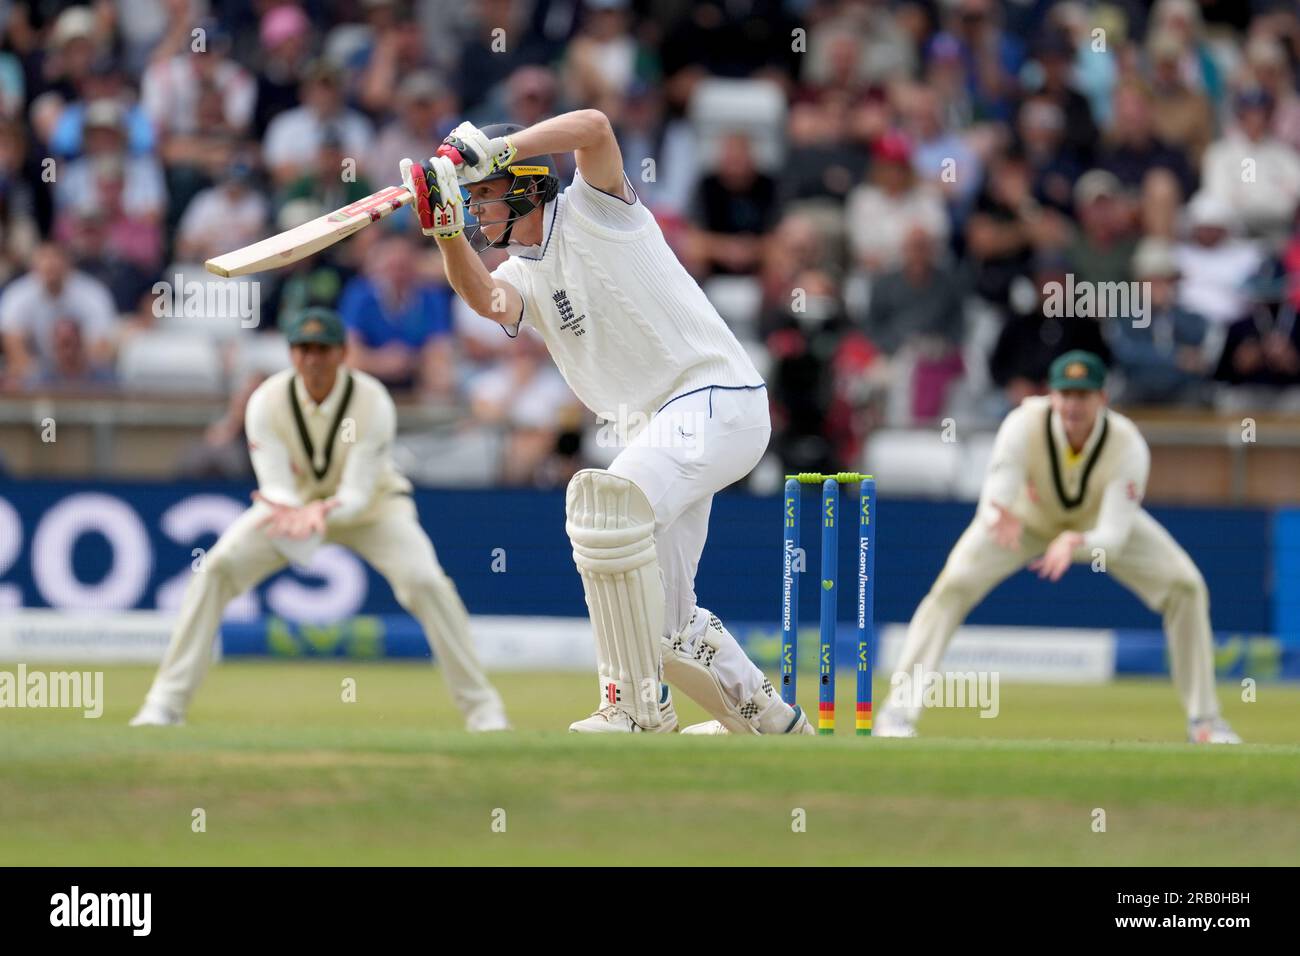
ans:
(438, 202)
(476, 155)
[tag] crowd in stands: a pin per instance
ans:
(904, 208)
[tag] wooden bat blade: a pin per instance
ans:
(311, 237)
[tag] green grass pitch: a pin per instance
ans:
(286, 773)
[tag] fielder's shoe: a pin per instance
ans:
(612, 719)
(1211, 730)
(486, 719)
(154, 715)
(799, 724)
(890, 723)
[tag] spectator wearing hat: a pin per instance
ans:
(32, 309)
(1053, 167)
(323, 182)
(229, 215)
(1181, 21)
(71, 50)
(102, 82)
(1272, 72)
(284, 37)
(424, 114)
(1214, 263)
(1262, 349)
(1161, 354)
(894, 202)
(294, 138)
(1102, 251)
(1265, 200)
(317, 280)
(1185, 117)
(110, 207)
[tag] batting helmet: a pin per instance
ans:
(533, 183)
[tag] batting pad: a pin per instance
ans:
(611, 525)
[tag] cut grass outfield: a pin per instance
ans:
(288, 774)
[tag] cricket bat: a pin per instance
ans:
(311, 237)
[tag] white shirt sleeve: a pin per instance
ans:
(15, 305)
(1121, 500)
(607, 209)
(270, 456)
(365, 460)
(96, 312)
(281, 143)
(512, 271)
(1006, 474)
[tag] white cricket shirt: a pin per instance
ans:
(626, 324)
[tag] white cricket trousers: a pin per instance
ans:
(1151, 564)
(389, 538)
(691, 449)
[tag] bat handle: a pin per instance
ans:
(459, 156)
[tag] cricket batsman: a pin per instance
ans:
(1066, 481)
(642, 347)
(320, 437)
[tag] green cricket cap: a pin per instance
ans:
(1079, 370)
(317, 326)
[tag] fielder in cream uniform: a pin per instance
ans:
(1065, 484)
(637, 341)
(320, 435)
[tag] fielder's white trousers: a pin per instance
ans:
(1151, 564)
(691, 449)
(388, 537)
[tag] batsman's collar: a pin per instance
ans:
(1077, 370)
(316, 326)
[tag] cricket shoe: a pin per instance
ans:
(890, 723)
(155, 715)
(487, 719)
(1211, 730)
(798, 725)
(612, 719)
